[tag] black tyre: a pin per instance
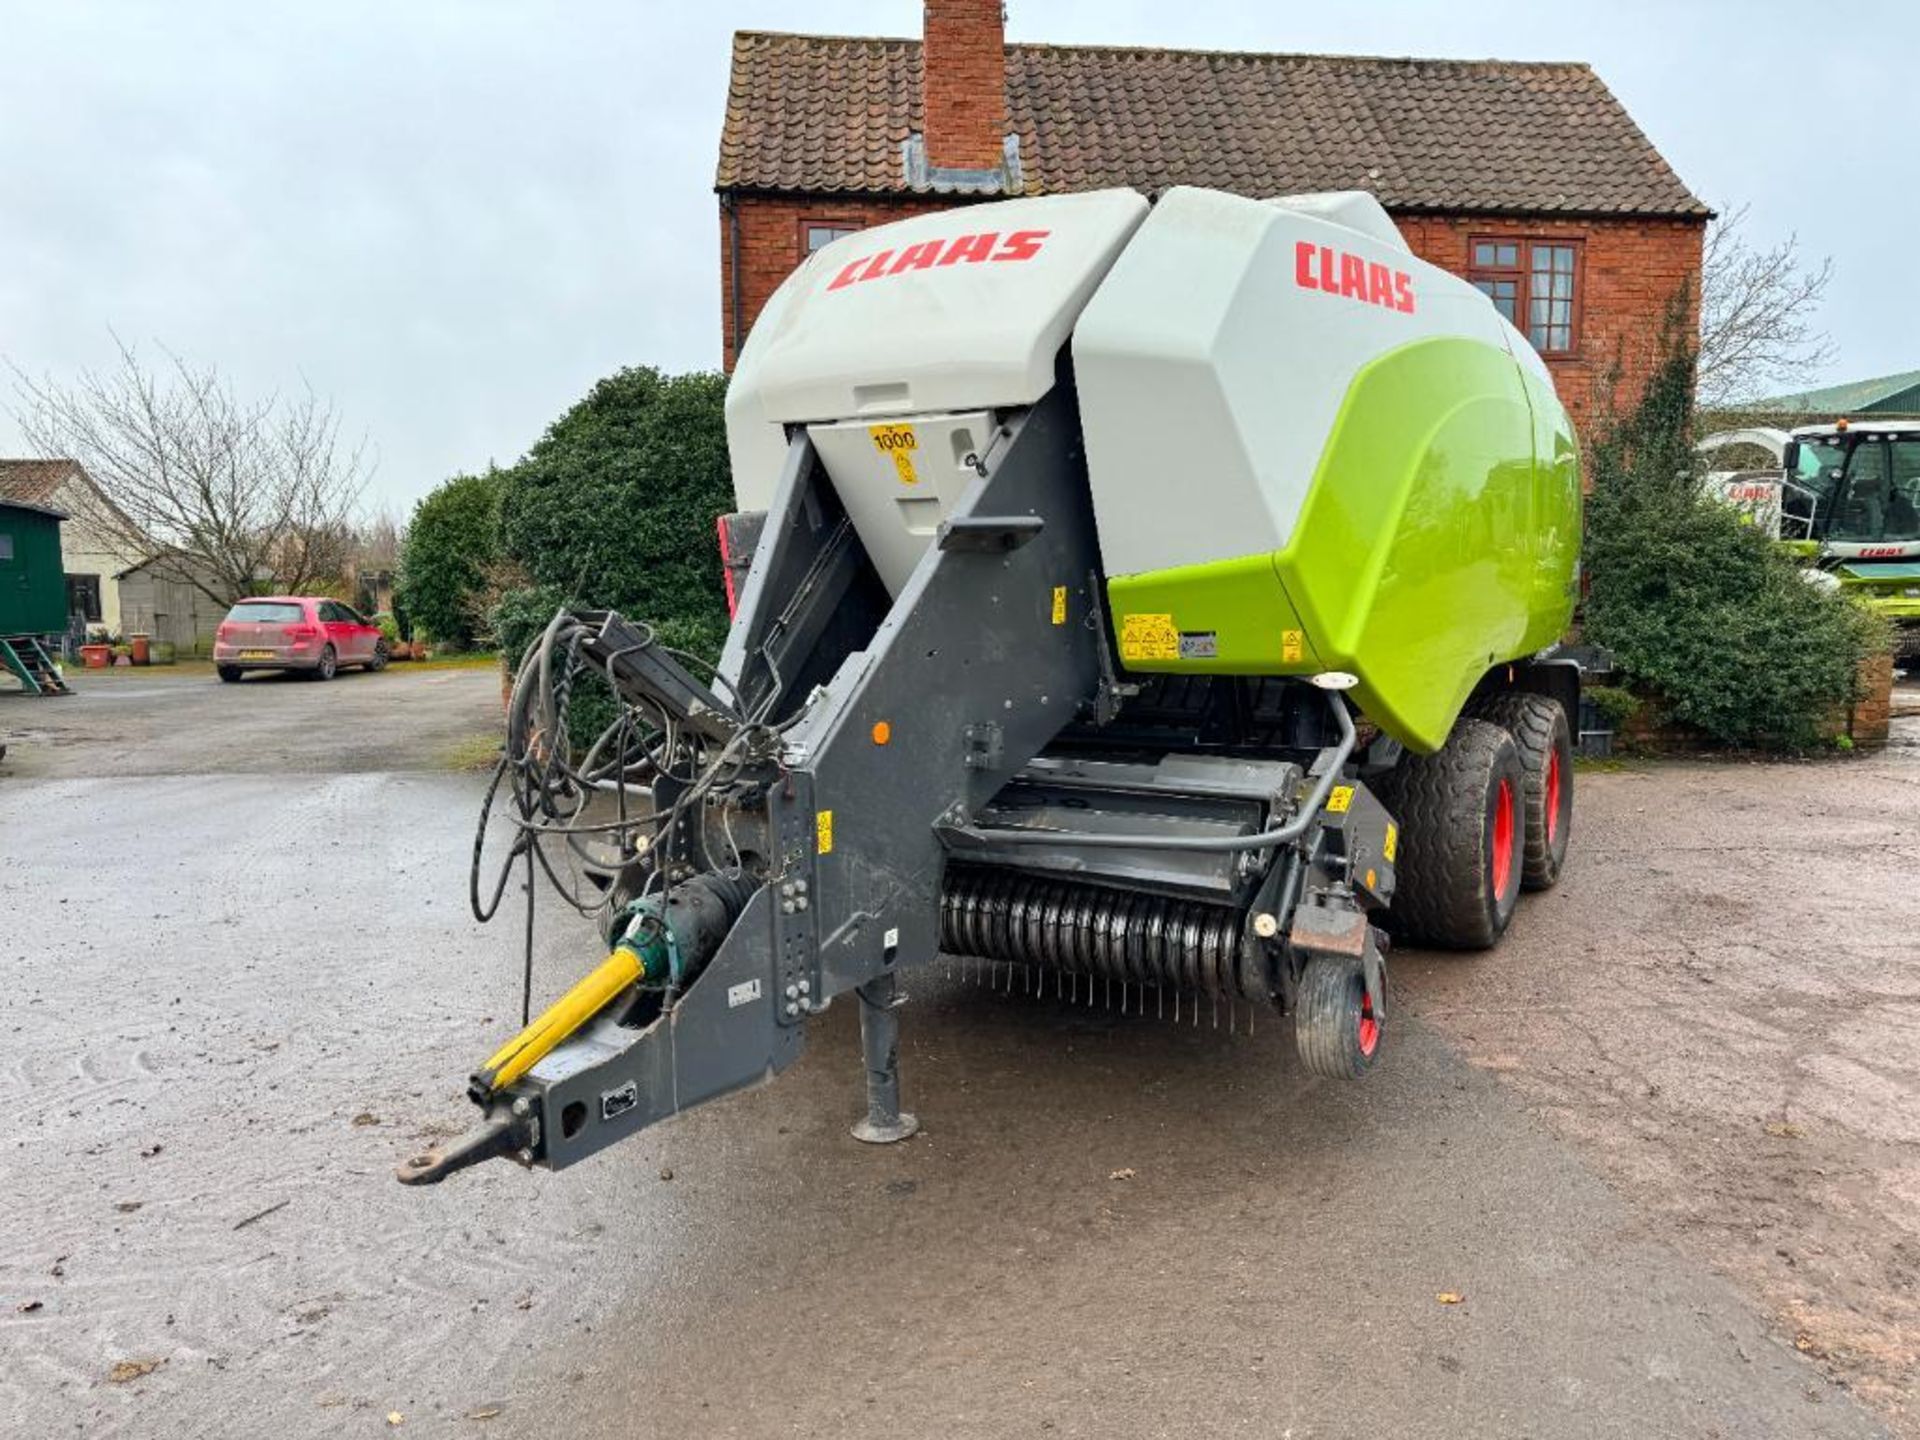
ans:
(329, 665)
(380, 656)
(1538, 725)
(228, 673)
(1333, 1023)
(1462, 836)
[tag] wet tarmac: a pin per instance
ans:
(235, 1000)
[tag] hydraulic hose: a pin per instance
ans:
(588, 997)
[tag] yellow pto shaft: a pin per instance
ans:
(587, 998)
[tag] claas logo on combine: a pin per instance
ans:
(989, 245)
(1321, 267)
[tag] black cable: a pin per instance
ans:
(526, 978)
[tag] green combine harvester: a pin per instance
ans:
(1846, 497)
(1153, 605)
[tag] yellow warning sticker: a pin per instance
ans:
(1059, 604)
(898, 442)
(1293, 644)
(1393, 841)
(1340, 799)
(823, 832)
(1148, 637)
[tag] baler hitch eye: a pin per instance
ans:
(493, 1137)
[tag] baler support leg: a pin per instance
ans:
(880, 1046)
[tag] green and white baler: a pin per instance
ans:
(1155, 603)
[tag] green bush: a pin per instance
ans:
(1719, 622)
(389, 629)
(614, 507)
(452, 543)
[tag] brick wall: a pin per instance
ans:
(1866, 722)
(1629, 270)
(772, 244)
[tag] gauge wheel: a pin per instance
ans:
(1334, 1026)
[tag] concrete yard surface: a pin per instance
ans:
(240, 994)
(180, 720)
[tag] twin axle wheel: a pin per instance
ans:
(1483, 817)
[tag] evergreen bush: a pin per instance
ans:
(1699, 607)
(451, 544)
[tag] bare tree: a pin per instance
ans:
(228, 494)
(1756, 314)
(377, 543)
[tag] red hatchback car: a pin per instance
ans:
(296, 632)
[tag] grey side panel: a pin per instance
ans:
(972, 676)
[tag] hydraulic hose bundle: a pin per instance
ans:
(667, 726)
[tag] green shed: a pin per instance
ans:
(33, 584)
(1886, 395)
(33, 593)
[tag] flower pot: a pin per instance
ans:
(141, 648)
(96, 657)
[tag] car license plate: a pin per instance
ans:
(256, 654)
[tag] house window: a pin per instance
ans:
(6, 545)
(818, 234)
(83, 597)
(1535, 284)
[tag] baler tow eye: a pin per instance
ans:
(588, 997)
(495, 1137)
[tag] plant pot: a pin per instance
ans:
(96, 657)
(140, 647)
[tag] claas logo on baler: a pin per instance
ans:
(988, 245)
(1321, 267)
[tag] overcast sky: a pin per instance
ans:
(452, 216)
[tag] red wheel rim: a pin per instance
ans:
(1553, 796)
(1503, 833)
(1369, 1027)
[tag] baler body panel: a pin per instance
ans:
(1307, 450)
(1353, 462)
(963, 309)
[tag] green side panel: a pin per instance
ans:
(1889, 589)
(33, 586)
(1238, 609)
(1879, 570)
(1438, 538)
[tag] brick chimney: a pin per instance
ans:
(964, 85)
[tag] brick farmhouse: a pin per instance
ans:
(1529, 178)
